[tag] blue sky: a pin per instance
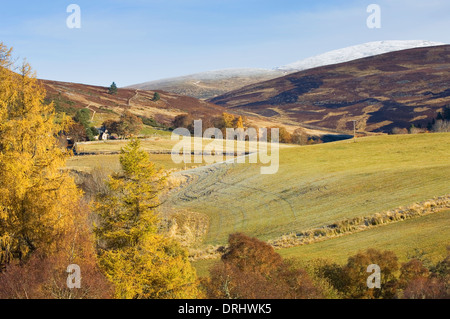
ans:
(133, 41)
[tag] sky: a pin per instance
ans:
(135, 41)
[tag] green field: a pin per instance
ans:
(86, 163)
(165, 143)
(430, 234)
(151, 131)
(315, 186)
(318, 185)
(161, 143)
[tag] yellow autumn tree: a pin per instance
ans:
(36, 196)
(140, 262)
(228, 120)
(239, 123)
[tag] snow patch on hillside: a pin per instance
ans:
(332, 57)
(355, 52)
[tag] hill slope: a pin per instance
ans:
(356, 52)
(316, 185)
(393, 89)
(68, 97)
(210, 84)
(71, 96)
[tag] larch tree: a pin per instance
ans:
(228, 120)
(36, 196)
(140, 262)
(239, 123)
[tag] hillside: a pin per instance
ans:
(315, 186)
(380, 92)
(428, 234)
(355, 52)
(68, 97)
(207, 85)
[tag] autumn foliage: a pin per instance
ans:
(44, 276)
(36, 196)
(409, 280)
(47, 224)
(251, 269)
(43, 224)
(140, 262)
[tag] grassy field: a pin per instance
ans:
(430, 234)
(160, 143)
(150, 144)
(165, 143)
(86, 163)
(151, 131)
(314, 186)
(318, 185)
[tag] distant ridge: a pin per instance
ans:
(395, 89)
(206, 85)
(356, 52)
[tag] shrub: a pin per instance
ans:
(398, 130)
(416, 130)
(441, 126)
(156, 97)
(425, 288)
(184, 121)
(251, 269)
(300, 137)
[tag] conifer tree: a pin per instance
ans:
(36, 196)
(156, 97)
(113, 88)
(139, 261)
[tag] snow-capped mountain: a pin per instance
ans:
(210, 84)
(379, 92)
(355, 52)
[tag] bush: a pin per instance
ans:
(441, 126)
(425, 288)
(398, 130)
(156, 97)
(150, 122)
(300, 137)
(83, 117)
(184, 121)
(416, 130)
(129, 124)
(251, 269)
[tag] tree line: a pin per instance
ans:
(226, 120)
(252, 269)
(439, 124)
